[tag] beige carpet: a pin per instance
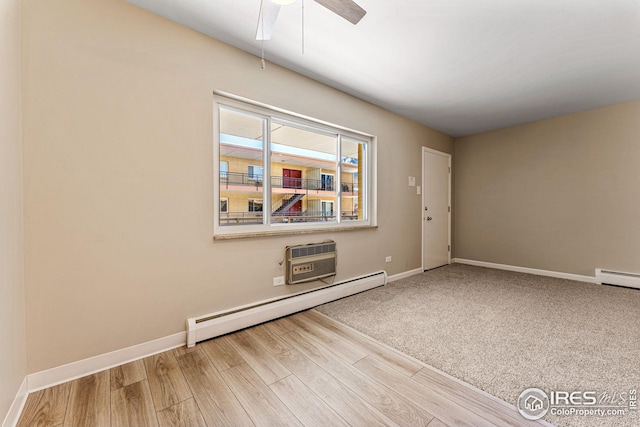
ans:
(504, 332)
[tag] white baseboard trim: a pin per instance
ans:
(15, 410)
(71, 371)
(404, 275)
(559, 275)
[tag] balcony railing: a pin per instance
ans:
(240, 218)
(253, 180)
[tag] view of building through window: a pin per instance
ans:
(307, 175)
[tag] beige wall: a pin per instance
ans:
(118, 178)
(13, 359)
(561, 194)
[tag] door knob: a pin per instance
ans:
(429, 218)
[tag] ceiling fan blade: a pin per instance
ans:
(348, 9)
(267, 19)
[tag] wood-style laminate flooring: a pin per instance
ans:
(301, 370)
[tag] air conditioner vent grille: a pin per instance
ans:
(315, 249)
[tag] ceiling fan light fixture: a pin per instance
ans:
(283, 2)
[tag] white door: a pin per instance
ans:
(436, 211)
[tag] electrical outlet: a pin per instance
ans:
(388, 259)
(278, 281)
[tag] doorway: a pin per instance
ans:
(291, 178)
(327, 209)
(436, 208)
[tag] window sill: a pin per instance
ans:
(291, 232)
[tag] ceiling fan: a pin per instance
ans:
(347, 9)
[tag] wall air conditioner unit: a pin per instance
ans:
(306, 263)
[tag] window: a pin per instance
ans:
(327, 182)
(290, 173)
(327, 208)
(255, 172)
(255, 205)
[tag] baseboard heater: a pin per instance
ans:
(223, 322)
(609, 277)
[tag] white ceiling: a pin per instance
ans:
(459, 66)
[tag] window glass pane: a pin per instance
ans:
(288, 172)
(303, 168)
(255, 172)
(255, 205)
(241, 168)
(353, 164)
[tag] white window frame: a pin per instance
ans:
(269, 113)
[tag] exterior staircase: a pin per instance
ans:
(288, 204)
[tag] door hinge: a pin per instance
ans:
(449, 248)
(449, 209)
(449, 170)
